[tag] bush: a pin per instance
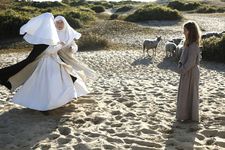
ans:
(114, 16)
(79, 3)
(77, 18)
(92, 42)
(74, 22)
(27, 9)
(214, 49)
(46, 4)
(154, 12)
(10, 23)
(124, 9)
(102, 3)
(98, 9)
(210, 9)
(184, 5)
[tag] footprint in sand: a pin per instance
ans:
(98, 120)
(130, 104)
(148, 131)
(109, 146)
(92, 134)
(108, 130)
(64, 130)
(45, 146)
(142, 142)
(79, 121)
(114, 140)
(54, 136)
(116, 112)
(122, 100)
(81, 146)
(118, 117)
(221, 134)
(130, 114)
(209, 133)
(63, 140)
(220, 143)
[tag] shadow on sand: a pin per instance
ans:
(24, 128)
(220, 67)
(182, 136)
(168, 63)
(145, 60)
(156, 23)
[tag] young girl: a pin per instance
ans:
(188, 68)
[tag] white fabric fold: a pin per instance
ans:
(40, 30)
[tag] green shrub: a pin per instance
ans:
(10, 23)
(27, 9)
(154, 12)
(98, 9)
(77, 18)
(101, 3)
(79, 3)
(214, 49)
(184, 5)
(210, 9)
(114, 16)
(74, 22)
(46, 4)
(92, 42)
(124, 9)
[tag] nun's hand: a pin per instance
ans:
(62, 43)
(74, 48)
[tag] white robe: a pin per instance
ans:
(50, 86)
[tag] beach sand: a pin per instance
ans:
(131, 106)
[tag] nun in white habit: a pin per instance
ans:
(50, 85)
(67, 35)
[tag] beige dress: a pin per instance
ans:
(188, 96)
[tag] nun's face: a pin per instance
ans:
(59, 24)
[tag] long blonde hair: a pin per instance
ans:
(194, 35)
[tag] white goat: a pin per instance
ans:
(176, 40)
(170, 48)
(179, 49)
(151, 44)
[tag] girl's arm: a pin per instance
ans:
(191, 60)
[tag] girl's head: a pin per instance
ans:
(192, 33)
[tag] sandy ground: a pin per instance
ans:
(132, 105)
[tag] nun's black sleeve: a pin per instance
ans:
(6, 73)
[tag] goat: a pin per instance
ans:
(179, 49)
(151, 44)
(176, 40)
(170, 48)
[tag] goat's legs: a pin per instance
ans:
(155, 52)
(144, 50)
